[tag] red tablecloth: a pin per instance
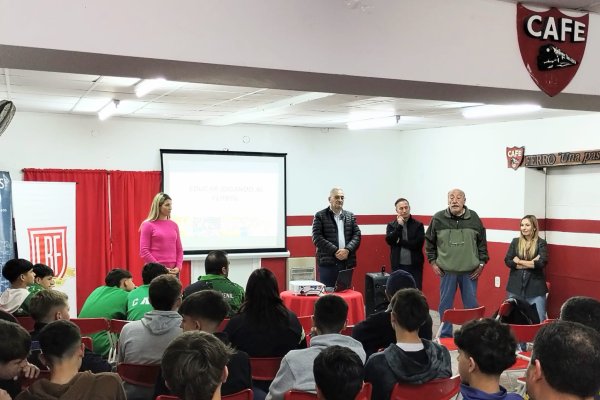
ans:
(305, 305)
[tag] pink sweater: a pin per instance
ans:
(160, 242)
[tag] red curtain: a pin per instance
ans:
(91, 222)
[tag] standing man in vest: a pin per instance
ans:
(406, 235)
(457, 251)
(336, 235)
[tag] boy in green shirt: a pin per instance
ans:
(110, 302)
(44, 278)
(138, 302)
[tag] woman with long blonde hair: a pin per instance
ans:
(160, 241)
(527, 257)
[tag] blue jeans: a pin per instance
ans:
(539, 301)
(468, 292)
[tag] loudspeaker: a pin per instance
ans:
(7, 111)
(375, 291)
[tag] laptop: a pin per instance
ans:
(344, 280)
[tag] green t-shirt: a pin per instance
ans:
(138, 303)
(231, 291)
(34, 288)
(104, 302)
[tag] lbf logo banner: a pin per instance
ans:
(552, 44)
(49, 246)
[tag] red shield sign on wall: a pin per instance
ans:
(514, 157)
(552, 45)
(49, 246)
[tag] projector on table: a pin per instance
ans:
(307, 288)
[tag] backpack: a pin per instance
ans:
(515, 310)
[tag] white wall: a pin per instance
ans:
(470, 42)
(374, 168)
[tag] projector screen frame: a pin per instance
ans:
(277, 251)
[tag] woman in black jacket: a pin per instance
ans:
(527, 257)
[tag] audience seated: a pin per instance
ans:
(204, 311)
(264, 327)
(51, 305)
(14, 348)
(339, 373)
(216, 267)
(15, 299)
(194, 366)
(582, 309)
(144, 341)
(44, 278)
(138, 302)
(110, 302)
(485, 349)
(376, 331)
(329, 319)
(62, 351)
(411, 359)
(565, 362)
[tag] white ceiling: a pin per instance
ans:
(579, 5)
(67, 93)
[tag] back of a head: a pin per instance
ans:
(489, 342)
(114, 277)
(42, 271)
(15, 267)
(331, 313)
(193, 365)
(582, 309)
(569, 355)
(44, 302)
(410, 308)
(15, 342)
(151, 271)
(339, 373)
(59, 340)
(206, 304)
(262, 301)
(215, 261)
(397, 280)
(164, 291)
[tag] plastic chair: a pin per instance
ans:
(141, 375)
(245, 394)
(26, 382)
(116, 326)
(87, 342)
(222, 325)
(87, 326)
(26, 322)
(347, 330)
(457, 316)
(264, 368)
(523, 334)
(437, 389)
(165, 397)
(364, 394)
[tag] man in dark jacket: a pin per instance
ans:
(336, 235)
(405, 236)
(376, 332)
(411, 359)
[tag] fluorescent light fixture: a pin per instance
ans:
(496, 110)
(265, 111)
(373, 123)
(108, 110)
(147, 85)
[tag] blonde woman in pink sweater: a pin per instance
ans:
(160, 241)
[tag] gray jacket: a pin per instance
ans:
(296, 370)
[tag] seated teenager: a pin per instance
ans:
(51, 305)
(485, 349)
(329, 320)
(15, 299)
(204, 311)
(376, 332)
(15, 343)
(339, 373)
(194, 366)
(411, 359)
(144, 341)
(138, 302)
(62, 352)
(110, 302)
(44, 278)
(216, 267)
(582, 309)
